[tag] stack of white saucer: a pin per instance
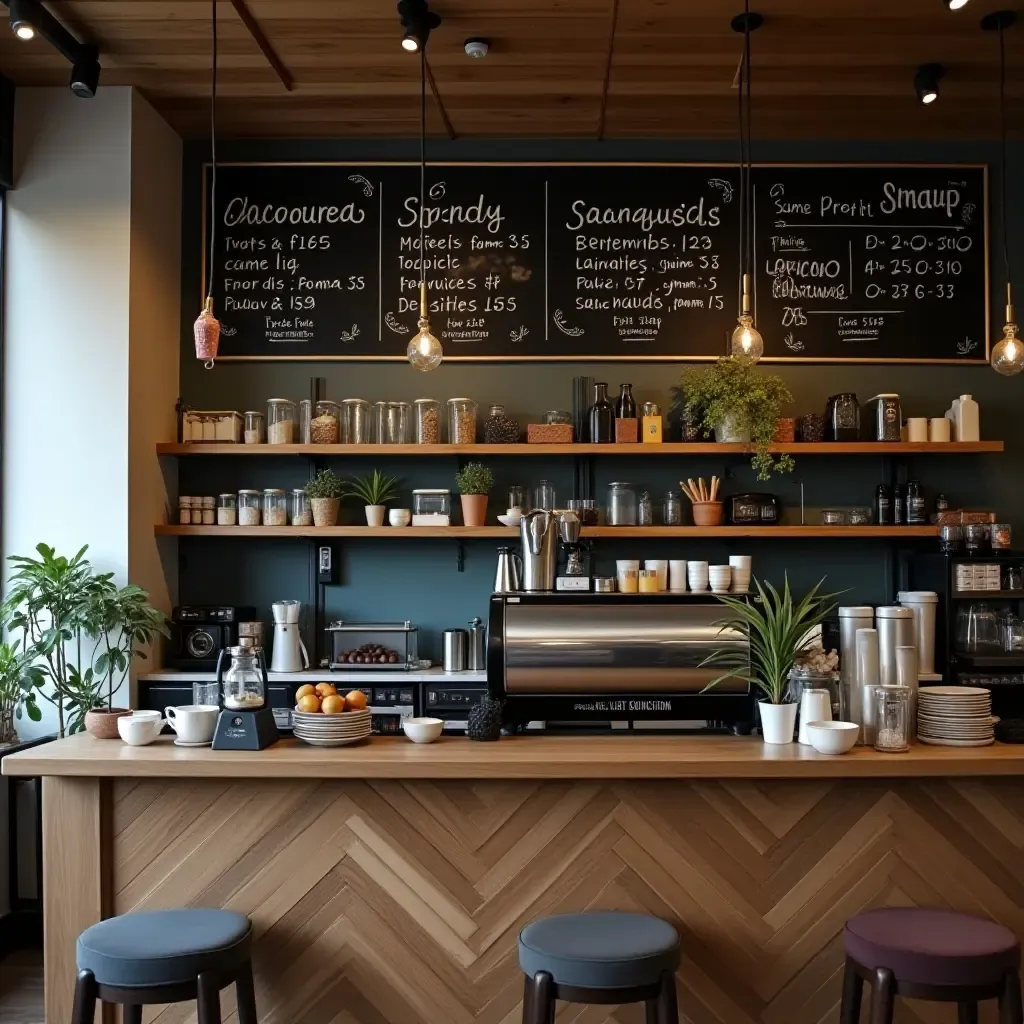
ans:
(320, 730)
(955, 716)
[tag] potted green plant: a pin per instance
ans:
(779, 630)
(374, 492)
(17, 693)
(474, 482)
(739, 403)
(325, 492)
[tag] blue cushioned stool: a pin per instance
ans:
(599, 957)
(165, 956)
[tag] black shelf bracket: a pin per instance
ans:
(460, 556)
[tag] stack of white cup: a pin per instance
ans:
(740, 565)
(697, 575)
(720, 577)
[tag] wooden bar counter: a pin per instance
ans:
(387, 882)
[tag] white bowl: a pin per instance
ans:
(422, 730)
(507, 520)
(832, 737)
(399, 517)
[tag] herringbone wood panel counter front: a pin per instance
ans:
(399, 902)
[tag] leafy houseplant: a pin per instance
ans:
(779, 631)
(739, 402)
(474, 481)
(374, 491)
(325, 492)
(17, 693)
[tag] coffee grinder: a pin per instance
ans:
(574, 575)
(247, 721)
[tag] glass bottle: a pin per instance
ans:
(227, 509)
(883, 505)
(602, 416)
(915, 504)
(355, 421)
(250, 504)
(275, 507)
(625, 407)
(899, 506)
(544, 495)
(499, 428)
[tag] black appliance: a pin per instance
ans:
(450, 700)
(389, 704)
(754, 509)
(842, 417)
(883, 418)
(199, 632)
(245, 729)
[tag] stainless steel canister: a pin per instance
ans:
(477, 633)
(851, 619)
(895, 629)
(453, 650)
(867, 682)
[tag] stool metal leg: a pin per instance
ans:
(853, 990)
(207, 999)
(84, 1009)
(967, 1013)
(539, 999)
(131, 1013)
(245, 995)
(666, 1008)
(883, 996)
(1010, 1011)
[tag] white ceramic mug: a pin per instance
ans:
(677, 575)
(720, 577)
(627, 571)
(140, 727)
(697, 575)
(917, 429)
(939, 429)
(399, 516)
(194, 723)
(660, 566)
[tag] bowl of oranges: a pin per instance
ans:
(325, 718)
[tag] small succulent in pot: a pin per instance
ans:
(474, 482)
(374, 491)
(325, 492)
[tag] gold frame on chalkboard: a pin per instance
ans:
(401, 358)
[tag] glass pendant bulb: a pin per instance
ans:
(747, 343)
(1008, 353)
(424, 351)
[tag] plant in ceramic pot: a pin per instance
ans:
(374, 491)
(325, 492)
(474, 482)
(779, 631)
(740, 404)
(17, 693)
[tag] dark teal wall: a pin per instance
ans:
(417, 579)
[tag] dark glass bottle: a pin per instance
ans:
(602, 416)
(625, 407)
(915, 504)
(883, 505)
(899, 506)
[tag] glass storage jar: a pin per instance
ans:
(355, 421)
(892, 718)
(324, 428)
(280, 421)
(621, 504)
(275, 507)
(250, 505)
(544, 495)
(305, 419)
(834, 517)
(209, 510)
(227, 509)
(393, 422)
(242, 684)
(300, 512)
(429, 501)
(499, 428)
(254, 427)
(645, 511)
(427, 420)
(672, 509)
(376, 418)
(185, 510)
(554, 416)
(461, 421)
(860, 516)
(197, 511)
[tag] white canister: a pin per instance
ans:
(895, 629)
(938, 429)
(917, 429)
(968, 419)
(924, 604)
(677, 575)
(815, 706)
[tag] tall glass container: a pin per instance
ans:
(622, 504)
(355, 421)
(280, 421)
(300, 512)
(392, 422)
(250, 504)
(893, 718)
(461, 421)
(254, 422)
(427, 420)
(275, 507)
(325, 427)
(242, 682)
(305, 419)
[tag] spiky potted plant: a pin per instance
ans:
(325, 492)
(474, 482)
(779, 630)
(374, 492)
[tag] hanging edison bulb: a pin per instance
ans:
(1008, 353)
(747, 343)
(424, 351)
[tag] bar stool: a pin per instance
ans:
(599, 957)
(939, 955)
(165, 956)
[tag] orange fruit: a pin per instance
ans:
(333, 704)
(310, 703)
(305, 690)
(326, 689)
(355, 700)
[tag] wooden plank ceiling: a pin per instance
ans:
(822, 68)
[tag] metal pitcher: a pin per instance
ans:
(539, 534)
(509, 575)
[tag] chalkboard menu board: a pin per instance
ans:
(598, 262)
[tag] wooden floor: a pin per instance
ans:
(21, 988)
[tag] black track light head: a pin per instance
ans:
(998, 20)
(23, 24)
(926, 82)
(418, 21)
(955, 5)
(746, 22)
(85, 77)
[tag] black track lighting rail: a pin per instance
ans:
(83, 57)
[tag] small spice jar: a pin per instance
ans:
(209, 510)
(300, 512)
(227, 509)
(254, 422)
(892, 718)
(185, 510)
(427, 420)
(250, 505)
(325, 428)
(499, 428)
(280, 421)
(461, 421)
(197, 511)
(672, 509)
(275, 507)
(1000, 536)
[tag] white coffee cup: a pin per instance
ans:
(938, 429)
(660, 566)
(194, 723)
(677, 575)
(917, 429)
(399, 516)
(624, 566)
(697, 575)
(140, 727)
(720, 577)
(740, 562)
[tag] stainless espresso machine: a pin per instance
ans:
(540, 531)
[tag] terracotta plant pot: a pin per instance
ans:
(474, 509)
(708, 513)
(777, 722)
(102, 723)
(375, 514)
(325, 511)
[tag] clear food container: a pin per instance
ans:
(622, 504)
(461, 421)
(393, 422)
(250, 508)
(553, 416)
(381, 646)
(859, 517)
(214, 426)
(834, 517)
(209, 510)
(305, 418)
(275, 507)
(427, 420)
(431, 507)
(185, 510)
(376, 417)
(672, 509)
(280, 421)
(325, 427)
(300, 512)
(227, 509)
(355, 421)
(254, 423)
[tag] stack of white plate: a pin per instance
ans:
(955, 716)
(321, 730)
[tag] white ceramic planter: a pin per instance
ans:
(777, 722)
(729, 432)
(374, 514)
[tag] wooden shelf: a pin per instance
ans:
(509, 533)
(990, 595)
(420, 450)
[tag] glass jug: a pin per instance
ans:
(243, 684)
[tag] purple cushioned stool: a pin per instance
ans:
(930, 954)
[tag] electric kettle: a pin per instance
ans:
(508, 577)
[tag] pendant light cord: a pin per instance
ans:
(213, 152)
(423, 162)
(750, 158)
(743, 178)
(1004, 170)
(746, 188)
